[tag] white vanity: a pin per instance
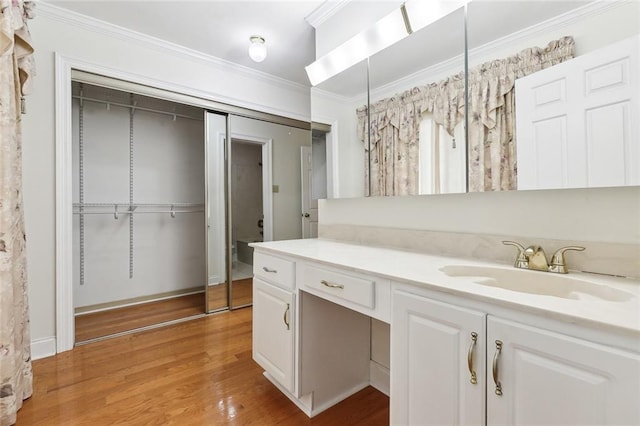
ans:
(465, 349)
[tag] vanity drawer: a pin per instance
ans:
(275, 269)
(358, 290)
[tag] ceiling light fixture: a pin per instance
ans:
(410, 17)
(257, 49)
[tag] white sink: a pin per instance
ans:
(539, 283)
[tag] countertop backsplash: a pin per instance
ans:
(599, 257)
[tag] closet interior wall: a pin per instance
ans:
(139, 194)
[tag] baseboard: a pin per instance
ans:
(43, 348)
(380, 378)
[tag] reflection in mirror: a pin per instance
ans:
(333, 104)
(216, 139)
(540, 119)
(417, 112)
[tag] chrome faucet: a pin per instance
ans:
(533, 257)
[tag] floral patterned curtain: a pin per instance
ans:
(395, 122)
(16, 70)
(492, 146)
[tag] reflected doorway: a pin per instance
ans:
(247, 217)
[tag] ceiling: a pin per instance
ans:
(220, 28)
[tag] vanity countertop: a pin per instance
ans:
(425, 270)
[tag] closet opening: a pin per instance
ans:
(143, 200)
(138, 211)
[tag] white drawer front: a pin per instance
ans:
(274, 269)
(347, 287)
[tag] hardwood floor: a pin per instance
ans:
(112, 321)
(198, 372)
(242, 294)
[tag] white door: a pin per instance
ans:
(551, 379)
(435, 349)
(577, 122)
(273, 331)
(309, 203)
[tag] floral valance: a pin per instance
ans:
(488, 83)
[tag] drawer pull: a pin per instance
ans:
(284, 317)
(272, 271)
(474, 340)
(496, 356)
(331, 285)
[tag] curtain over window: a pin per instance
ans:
(395, 122)
(16, 71)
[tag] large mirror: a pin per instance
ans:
(538, 119)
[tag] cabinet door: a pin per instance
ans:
(553, 379)
(273, 331)
(430, 375)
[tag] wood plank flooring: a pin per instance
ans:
(198, 372)
(242, 294)
(112, 321)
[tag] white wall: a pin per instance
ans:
(319, 167)
(55, 32)
(348, 151)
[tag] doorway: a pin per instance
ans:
(247, 217)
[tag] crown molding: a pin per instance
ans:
(556, 23)
(325, 11)
(334, 97)
(88, 23)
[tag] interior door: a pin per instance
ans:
(309, 203)
(577, 124)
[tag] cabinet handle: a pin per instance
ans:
(331, 285)
(496, 357)
(284, 317)
(273, 271)
(474, 340)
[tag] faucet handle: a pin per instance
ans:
(521, 260)
(558, 263)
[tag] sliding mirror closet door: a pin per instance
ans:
(215, 148)
(139, 193)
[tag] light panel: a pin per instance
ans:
(381, 35)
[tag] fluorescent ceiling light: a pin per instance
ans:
(422, 13)
(382, 34)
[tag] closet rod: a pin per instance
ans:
(138, 204)
(143, 212)
(100, 101)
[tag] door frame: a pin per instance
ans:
(63, 65)
(267, 180)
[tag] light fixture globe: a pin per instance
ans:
(257, 49)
